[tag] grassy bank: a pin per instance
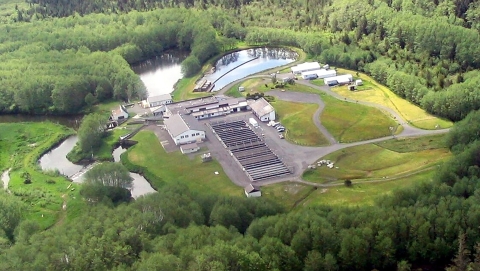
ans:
(349, 122)
(298, 119)
(388, 159)
(374, 92)
(178, 168)
(22, 145)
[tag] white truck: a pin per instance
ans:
(253, 122)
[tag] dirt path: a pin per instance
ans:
(306, 98)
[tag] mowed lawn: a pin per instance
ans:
(350, 122)
(298, 121)
(176, 167)
(374, 92)
(376, 161)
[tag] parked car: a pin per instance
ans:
(281, 129)
(276, 124)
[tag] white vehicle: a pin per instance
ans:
(253, 122)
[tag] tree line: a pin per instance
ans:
(52, 66)
(425, 57)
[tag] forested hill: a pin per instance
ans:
(427, 52)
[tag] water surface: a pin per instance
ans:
(160, 74)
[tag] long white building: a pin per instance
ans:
(322, 73)
(338, 80)
(305, 67)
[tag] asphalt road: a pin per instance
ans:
(299, 157)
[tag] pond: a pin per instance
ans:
(56, 160)
(243, 63)
(160, 74)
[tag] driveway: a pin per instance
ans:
(299, 157)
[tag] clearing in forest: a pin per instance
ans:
(385, 160)
(374, 92)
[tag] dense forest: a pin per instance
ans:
(62, 56)
(426, 52)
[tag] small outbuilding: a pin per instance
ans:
(252, 191)
(358, 82)
(241, 89)
(189, 148)
(119, 114)
(159, 100)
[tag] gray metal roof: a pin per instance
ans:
(189, 146)
(159, 98)
(178, 124)
(119, 111)
(250, 188)
(261, 107)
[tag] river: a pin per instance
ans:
(56, 160)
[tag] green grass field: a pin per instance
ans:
(289, 194)
(384, 160)
(176, 167)
(374, 92)
(21, 145)
(298, 196)
(349, 122)
(362, 194)
(318, 82)
(298, 119)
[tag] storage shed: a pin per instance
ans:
(119, 114)
(159, 100)
(189, 148)
(252, 191)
